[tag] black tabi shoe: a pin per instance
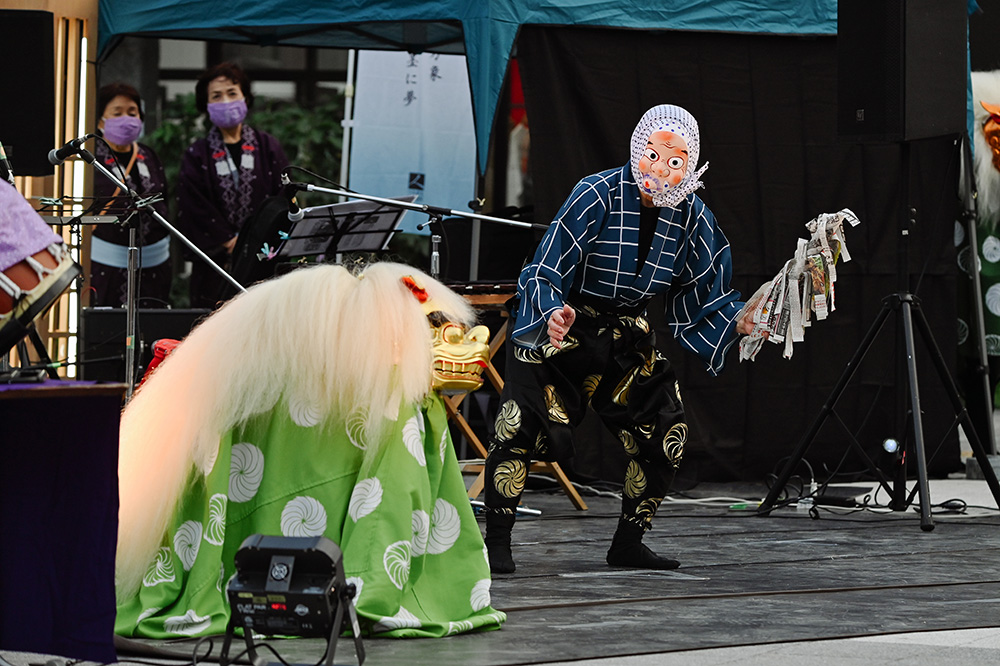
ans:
(628, 550)
(498, 526)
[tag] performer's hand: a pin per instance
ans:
(230, 244)
(745, 324)
(559, 323)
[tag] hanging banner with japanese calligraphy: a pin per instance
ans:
(413, 131)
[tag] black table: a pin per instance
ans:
(59, 517)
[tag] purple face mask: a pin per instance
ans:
(122, 130)
(227, 114)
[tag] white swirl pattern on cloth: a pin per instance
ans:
(215, 530)
(421, 531)
(991, 249)
(445, 527)
(188, 624)
(396, 561)
(187, 539)
(161, 570)
(365, 498)
(413, 438)
(480, 597)
(459, 627)
(304, 414)
(992, 298)
(355, 426)
(303, 517)
(246, 470)
(401, 620)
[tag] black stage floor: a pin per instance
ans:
(744, 580)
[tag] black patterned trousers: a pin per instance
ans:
(609, 362)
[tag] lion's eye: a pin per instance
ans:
(453, 334)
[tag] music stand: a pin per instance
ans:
(352, 226)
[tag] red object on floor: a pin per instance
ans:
(161, 349)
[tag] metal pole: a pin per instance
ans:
(131, 324)
(423, 208)
(348, 122)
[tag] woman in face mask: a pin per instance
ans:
(119, 109)
(224, 176)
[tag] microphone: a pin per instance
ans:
(75, 147)
(5, 163)
(295, 214)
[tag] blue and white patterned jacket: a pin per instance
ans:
(592, 248)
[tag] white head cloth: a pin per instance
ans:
(670, 118)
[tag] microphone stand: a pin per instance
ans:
(435, 213)
(131, 332)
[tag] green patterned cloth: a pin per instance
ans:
(409, 539)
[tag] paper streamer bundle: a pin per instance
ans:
(783, 307)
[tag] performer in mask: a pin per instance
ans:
(224, 177)
(119, 108)
(580, 335)
(308, 406)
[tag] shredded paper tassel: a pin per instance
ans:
(783, 307)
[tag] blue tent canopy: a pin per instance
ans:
(484, 30)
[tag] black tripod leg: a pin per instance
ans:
(224, 655)
(43, 353)
(970, 432)
(926, 522)
(831, 402)
(338, 625)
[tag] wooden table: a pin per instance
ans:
(495, 300)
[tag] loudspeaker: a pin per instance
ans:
(27, 83)
(102, 334)
(901, 69)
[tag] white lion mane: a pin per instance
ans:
(344, 343)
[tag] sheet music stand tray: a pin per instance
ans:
(352, 226)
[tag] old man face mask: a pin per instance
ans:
(664, 152)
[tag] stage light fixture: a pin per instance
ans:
(890, 445)
(290, 586)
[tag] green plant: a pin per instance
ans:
(312, 138)
(181, 125)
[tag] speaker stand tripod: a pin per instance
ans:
(907, 308)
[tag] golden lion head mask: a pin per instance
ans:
(460, 354)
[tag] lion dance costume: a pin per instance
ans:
(304, 407)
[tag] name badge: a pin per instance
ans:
(143, 170)
(246, 162)
(222, 168)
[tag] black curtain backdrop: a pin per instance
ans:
(766, 106)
